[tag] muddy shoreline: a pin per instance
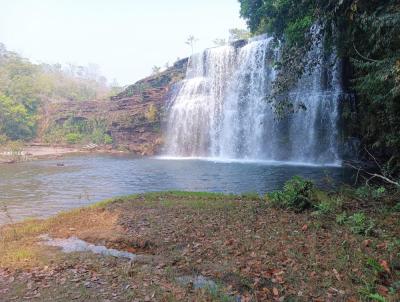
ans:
(48, 152)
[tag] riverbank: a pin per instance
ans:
(48, 152)
(200, 247)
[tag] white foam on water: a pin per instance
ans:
(251, 161)
(74, 244)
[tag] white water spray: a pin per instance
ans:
(222, 110)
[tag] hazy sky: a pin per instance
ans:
(126, 38)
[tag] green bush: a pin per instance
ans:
(107, 139)
(360, 224)
(3, 139)
(363, 192)
(341, 218)
(296, 30)
(75, 130)
(376, 297)
(367, 192)
(378, 192)
(16, 121)
(296, 195)
(328, 206)
(325, 207)
(396, 208)
(99, 136)
(73, 138)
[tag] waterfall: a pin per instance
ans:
(221, 109)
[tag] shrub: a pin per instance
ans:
(296, 194)
(152, 113)
(296, 30)
(367, 192)
(15, 148)
(396, 208)
(325, 207)
(3, 139)
(360, 224)
(99, 136)
(363, 192)
(376, 297)
(73, 138)
(76, 130)
(107, 139)
(378, 192)
(328, 205)
(341, 218)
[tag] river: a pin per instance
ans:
(45, 187)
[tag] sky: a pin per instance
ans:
(126, 38)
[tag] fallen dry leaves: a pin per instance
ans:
(255, 252)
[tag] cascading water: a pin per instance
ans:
(221, 109)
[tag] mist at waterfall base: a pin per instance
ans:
(222, 109)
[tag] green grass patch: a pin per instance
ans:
(28, 228)
(195, 200)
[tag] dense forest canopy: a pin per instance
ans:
(24, 86)
(366, 36)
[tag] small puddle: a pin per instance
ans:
(198, 282)
(74, 244)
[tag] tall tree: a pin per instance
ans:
(191, 41)
(238, 34)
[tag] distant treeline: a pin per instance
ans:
(24, 86)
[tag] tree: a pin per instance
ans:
(191, 41)
(15, 121)
(219, 42)
(155, 70)
(238, 34)
(25, 86)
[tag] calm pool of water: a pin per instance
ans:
(41, 188)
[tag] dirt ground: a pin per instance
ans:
(34, 152)
(250, 251)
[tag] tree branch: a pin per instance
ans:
(374, 175)
(365, 58)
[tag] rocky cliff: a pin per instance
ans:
(133, 118)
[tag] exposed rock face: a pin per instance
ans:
(133, 117)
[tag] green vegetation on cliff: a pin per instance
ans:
(79, 131)
(366, 36)
(24, 86)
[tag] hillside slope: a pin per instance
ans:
(132, 118)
